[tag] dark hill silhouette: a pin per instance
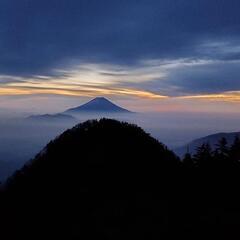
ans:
(99, 104)
(111, 180)
(99, 180)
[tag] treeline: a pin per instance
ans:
(210, 191)
(223, 154)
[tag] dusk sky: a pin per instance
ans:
(147, 55)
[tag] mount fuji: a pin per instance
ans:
(99, 104)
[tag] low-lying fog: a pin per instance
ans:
(21, 138)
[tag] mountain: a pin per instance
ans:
(98, 180)
(99, 104)
(211, 139)
(111, 180)
(52, 117)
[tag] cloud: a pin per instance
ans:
(87, 79)
(96, 78)
(147, 49)
(38, 36)
(213, 77)
(233, 97)
(151, 79)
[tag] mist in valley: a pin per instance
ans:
(21, 138)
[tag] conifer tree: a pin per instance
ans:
(222, 150)
(234, 151)
(203, 155)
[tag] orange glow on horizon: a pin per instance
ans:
(68, 90)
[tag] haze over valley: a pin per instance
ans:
(24, 135)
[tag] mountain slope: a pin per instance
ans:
(111, 180)
(211, 139)
(99, 180)
(99, 104)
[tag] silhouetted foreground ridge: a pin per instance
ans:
(110, 180)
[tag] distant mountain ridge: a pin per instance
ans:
(52, 117)
(211, 139)
(99, 104)
(96, 105)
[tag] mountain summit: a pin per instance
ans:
(92, 182)
(99, 104)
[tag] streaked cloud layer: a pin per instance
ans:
(154, 79)
(158, 50)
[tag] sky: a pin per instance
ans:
(147, 55)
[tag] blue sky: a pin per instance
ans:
(154, 55)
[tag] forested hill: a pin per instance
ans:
(110, 180)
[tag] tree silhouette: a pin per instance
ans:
(234, 151)
(222, 150)
(203, 155)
